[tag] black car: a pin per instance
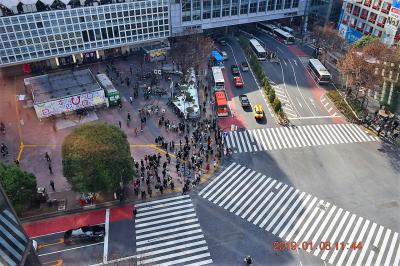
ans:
(244, 101)
(93, 233)
(235, 70)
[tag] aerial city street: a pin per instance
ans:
(199, 132)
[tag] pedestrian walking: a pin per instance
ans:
(16, 162)
(134, 212)
(4, 149)
(131, 99)
(128, 119)
(50, 169)
(52, 185)
(47, 156)
(120, 124)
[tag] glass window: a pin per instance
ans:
(253, 6)
(216, 8)
(288, 4)
(271, 5)
(278, 4)
(262, 6)
(244, 7)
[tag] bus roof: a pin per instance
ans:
(217, 74)
(284, 33)
(287, 29)
(257, 45)
(220, 98)
(217, 56)
(319, 66)
(271, 26)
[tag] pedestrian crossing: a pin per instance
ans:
(168, 233)
(337, 236)
(286, 103)
(278, 138)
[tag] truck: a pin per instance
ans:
(112, 94)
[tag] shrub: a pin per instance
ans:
(271, 96)
(96, 157)
(339, 102)
(277, 105)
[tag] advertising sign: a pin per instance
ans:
(396, 7)
(392, 22)
(351, 35)
(342, 30)
(70, 103)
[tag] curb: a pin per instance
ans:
(109, 204)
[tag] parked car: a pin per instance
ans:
(244, 101)
(224, 55)
(238, 82)
(258, 111)
(235, 70)
(93, 233)
(245, 66)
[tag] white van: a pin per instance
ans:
(224, 55)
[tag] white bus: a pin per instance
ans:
(287, 38)
(218, 77)
(287, 29)
(258, 49)
(267, 28)
(318, 71)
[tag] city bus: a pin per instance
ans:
(258, 49)
(287, 29)
(217, 59)
(265, 27)
(221, 103)
(218, 77)
(282, 35)
(318, 71)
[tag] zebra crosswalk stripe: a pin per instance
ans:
(300, 217)
(278, 134)
(263, 135)
(259, 139)
(237, 141)
(217, 178)
(168, 233)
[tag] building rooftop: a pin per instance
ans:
(58, 85)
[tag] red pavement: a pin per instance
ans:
(296, 50)
(66, 222)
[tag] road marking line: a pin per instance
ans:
(239, 172)
(218, 181)
(270, 204)
(328, 231)
(307, 223)
(382, 248)
(302, 217)
(278, 227)
(341, 238)
(319, 231)
(350, 240)
(266, 219)
(359, 239)
(145, 243)
(69, 249)
(161, 200)
(107, 228)
(258, 199)
(259, 188)
(316, 117)
(366, 244)
(245, 188)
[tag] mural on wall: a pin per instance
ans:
(70, 103)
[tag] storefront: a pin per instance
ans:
(89, 57)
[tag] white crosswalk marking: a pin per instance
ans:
(295, 216)
(166, 237)
(298, 137)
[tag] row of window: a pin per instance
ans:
(191, 10)
(363, 27)
(117, 9)
(4, 59)
(378, 5)
(364, 14)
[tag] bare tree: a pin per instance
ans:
(328, 38)
(191, 50)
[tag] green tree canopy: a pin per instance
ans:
(20, 186)
(364, 41)
(96, 157)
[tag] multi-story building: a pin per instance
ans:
(70, 31)
(15, 246)
(364, 17)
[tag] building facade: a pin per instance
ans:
(15, 246)
(72, 31)
(379, 18)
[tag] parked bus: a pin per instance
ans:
(287, 29)
(287, 38)
(258, 49)
(218, 78)
(319, 72)
(221, 103)
(217, 59)
(267, 28)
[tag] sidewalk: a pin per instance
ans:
(39, 137)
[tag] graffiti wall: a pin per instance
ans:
(70, 103)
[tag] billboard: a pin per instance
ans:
(349, 34)
(395, 7)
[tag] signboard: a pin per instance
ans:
(342, 30)
(352, 35)
(71, 103)
(392, 22)
(396, 7)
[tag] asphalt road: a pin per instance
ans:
(299, 93)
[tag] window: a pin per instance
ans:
(262, 6)
(196, 7)
(295, 4)
(206, 9)
(278, 4)
(244, 7)
(225, 7)
(386, 7)
(271, 5)
(381, 21)
(364, 13)
(253, 6)
(216, 8)
(186, 7)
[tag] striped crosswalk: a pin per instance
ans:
(168, 233)
(336, 236)
(295, 137)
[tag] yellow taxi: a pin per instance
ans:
(258, 111)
